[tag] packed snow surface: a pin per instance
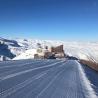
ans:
(45, 79)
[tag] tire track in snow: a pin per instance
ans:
(12, 90)
(17, 87)
(3, 70)
(26, 71)
(19, 65)
(45, 81)
(67, 82)
(22, 67)
(48, 85)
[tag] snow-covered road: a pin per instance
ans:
(44, 79)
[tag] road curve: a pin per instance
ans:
(44, 79)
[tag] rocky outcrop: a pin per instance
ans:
(5, 52)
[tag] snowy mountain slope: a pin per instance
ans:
(29, 54)
(10, 42)
(82, 50)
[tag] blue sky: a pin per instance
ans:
(49, 19)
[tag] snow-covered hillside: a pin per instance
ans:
(29, 54)
(23, 48)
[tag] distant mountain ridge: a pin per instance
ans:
(82, 50)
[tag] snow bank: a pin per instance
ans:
(87, 86)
